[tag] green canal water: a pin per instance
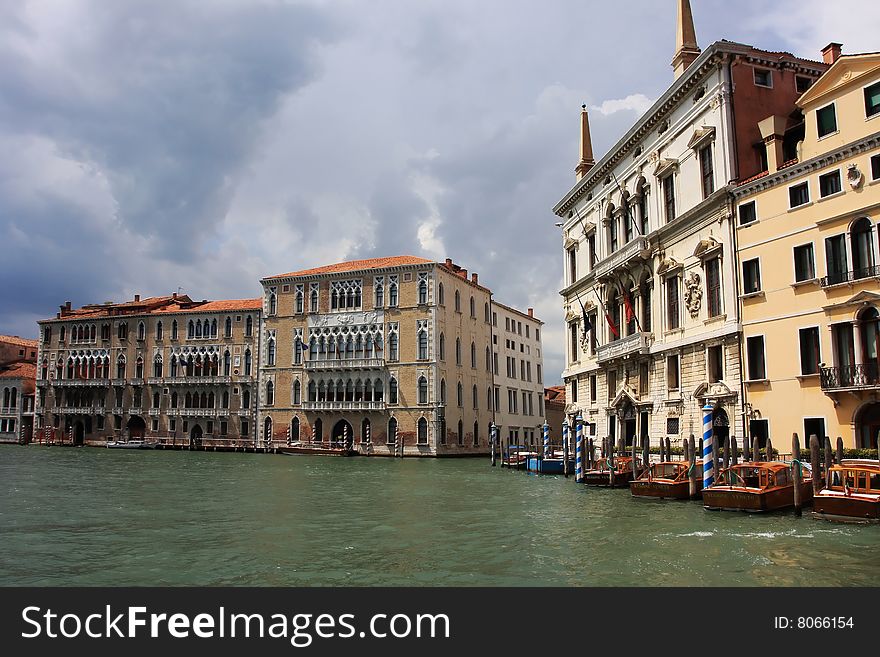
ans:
(103, 517)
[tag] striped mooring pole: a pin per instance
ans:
(397, 448)
(493, 440)
(579, 450)
(565, 451)
(708, 451)
(546, 441)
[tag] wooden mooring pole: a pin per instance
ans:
(692, 471)
(747, 448)
(726, 452)
(797, 472)
(769, 450)
(829, 461)
(734, 458)
(839, 453)
(814, 464)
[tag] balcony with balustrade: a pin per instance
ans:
(638, 249)
(635, 344)
(849, 277)
(331, 406)
(345, 364)
(864, 376)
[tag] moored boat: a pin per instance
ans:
(755, 487)
(618, 475)
(552, 465)
(135, 443)
(667, 480)
(324, 449)
(852, 492)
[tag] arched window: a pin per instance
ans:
(645, 303)
(319, 430)
(377, 390)
(486, 313)
(489, 399)
(459, 394)
(174, 399)
(473, 308)
(392, 294)
(863, 256)
(443, 391)
(313, 301)
(299, 301)
(458, 351)
(227, 363)
(227, 327)
(473, 354)
(475, 397)
(423, 390)
(249, 326)
(423, 292)
(476, 434)
(44, 369)
(159, 330)
(270, 393)
(214, 328)
(294, 429)
(174, 330)
(246, 399)
(393, 352)
(380, 294)
(198, 329)
(122, 331)
(139, 368)
(142, 331)
(460, 433)
(643, 191)
(273, 303)
(392, 391)
(204, 401)
(440, 299)
(423, 344)
(442, 347)
(423, 431)
(155, 400)
(457, 302)
(173, 372)
(297, 392)
(247, 362)
(187, 401)
(313, 391)
(225, 399)
(157, 366)
(297, 351)
(488, 359)
(391, 438)
(270, 352)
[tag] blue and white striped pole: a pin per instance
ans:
(579, 450)
(708, 451)
(565, 451)
(546, 441)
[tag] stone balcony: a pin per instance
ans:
(638, 249)
(345, 364)
(637, 343)
(82, 383)
(196, 380)
(343, 406)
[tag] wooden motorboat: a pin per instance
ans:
(852, 492)
(667, 480)
(550, 465)
(620, 477)
(516, 457)
(756, 487)
(324, 449)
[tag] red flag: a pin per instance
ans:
(627, 303)
(612, 326)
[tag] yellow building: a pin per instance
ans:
(807, 232)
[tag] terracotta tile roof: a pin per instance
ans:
(26, 371)
(757, 176)
(230, 304)
(158, 306)
(356, 265)
(555, 394)
(17, 341)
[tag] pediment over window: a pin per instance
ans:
(717, 390)
(665, 166)
(707, 247)
(625, 397)
(667, 265)
(570, 243)
(701, 137)
(863, 298)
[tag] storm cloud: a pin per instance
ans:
(155, 145)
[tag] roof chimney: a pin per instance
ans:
(475, 279)
(449, 262)
(686, 48)
(531, 312)
(137, 297)
(831, 52)
(463, 273)
(174, 295)
(586, 146)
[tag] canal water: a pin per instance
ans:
(104, 517)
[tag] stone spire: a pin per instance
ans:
(686, 48)
(586, 146)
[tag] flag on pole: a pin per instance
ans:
(627, 304)
(588, 325)
(611, 324)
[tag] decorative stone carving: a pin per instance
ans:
(693, 295)
(854, 176)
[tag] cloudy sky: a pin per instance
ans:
(153, 145)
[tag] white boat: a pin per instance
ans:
(135, 443)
